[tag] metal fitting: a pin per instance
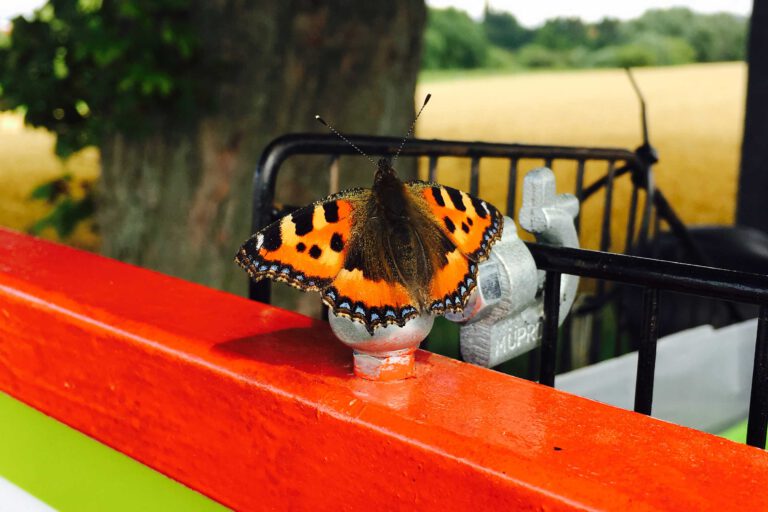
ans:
(387, 354)
(505, 320)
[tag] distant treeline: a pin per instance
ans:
(659, 37)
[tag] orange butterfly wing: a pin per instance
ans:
(473, 226)
(306, 248)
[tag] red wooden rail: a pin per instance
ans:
(258, 408)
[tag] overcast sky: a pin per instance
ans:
(528, 12)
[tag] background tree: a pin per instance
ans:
(562, 34)
(181, 96)
(503, 30)
(453, 40)
(606, 32)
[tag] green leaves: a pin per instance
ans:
(85, 68)
(68, 210)
(658, 37)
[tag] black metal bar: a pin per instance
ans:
(579, 191)
(433, 168)
(261, 291)
(474, 176)
(549, 329)
(533, 358)
(596, 335)
(601, 182)
(605, 233)
(711, 282)
(645, 179)
(565, 353)
(512, 188)
(646, 354)
(757, 425)
(548, 163)
(619, 301)
(596, 339)
(319, 144)
(631, 221)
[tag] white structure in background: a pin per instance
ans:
(15, 499)
(703, 377)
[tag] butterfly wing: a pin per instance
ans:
(472, 225)
(309, 250)
(306, 248)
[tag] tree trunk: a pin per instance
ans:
(753, 178)
(179, 201)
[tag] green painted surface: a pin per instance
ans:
(736, 433)
(74, 473)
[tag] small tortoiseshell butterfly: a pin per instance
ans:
(382, 255)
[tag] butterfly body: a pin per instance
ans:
(383, 255)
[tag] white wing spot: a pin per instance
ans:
(259, 241)
(485, 207)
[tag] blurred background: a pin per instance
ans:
(132, 128)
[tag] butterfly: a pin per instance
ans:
(382, 255)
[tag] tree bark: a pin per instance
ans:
(753, 178)
(179, 201)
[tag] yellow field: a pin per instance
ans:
(27, 160)
(695, 113)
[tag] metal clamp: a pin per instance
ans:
(504, 317)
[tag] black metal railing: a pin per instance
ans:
(611, 270)
(616, 164)
(655, 275)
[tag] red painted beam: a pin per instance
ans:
(258, 408)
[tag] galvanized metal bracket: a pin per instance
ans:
(504, 317)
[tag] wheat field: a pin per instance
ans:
(695, 118)
(695, 113)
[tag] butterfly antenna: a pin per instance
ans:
(339, 135)
(410, 130)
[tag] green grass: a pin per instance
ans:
(73, 472)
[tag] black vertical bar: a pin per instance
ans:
(512, 188)
(646, 355)
(549, 330)
(548, 163)
(474, 179)
(619, 302)
(566, 353)
(533, 364)
(433, 168)
(605, 235)
(579, 191)
(260, 291)
(605, 242)
(631, 221)
(757, 424)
